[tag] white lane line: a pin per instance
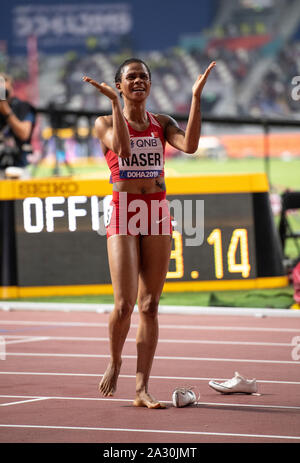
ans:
(181, 378)
(199, 404)
(23, 401)
(163, 326)
(157, 431)
(163, 309)
(159, 357)
(168, 341)
(27, 339)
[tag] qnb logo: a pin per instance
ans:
(295, 94)
(2, 348)
(296, 350)
(2, 89)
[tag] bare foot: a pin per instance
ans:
(144, 399)
(108, 384)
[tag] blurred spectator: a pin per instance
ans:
(17, 120)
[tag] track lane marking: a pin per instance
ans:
(23, 401)
(159, 357)
(199, 404)
(157, 431)
(162, 340)
(163, 326)
(27, 339)
(185, 378)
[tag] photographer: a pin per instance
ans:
(17, 120)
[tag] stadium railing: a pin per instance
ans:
(56, 116)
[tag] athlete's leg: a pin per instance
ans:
(155, 256)
(123, 256)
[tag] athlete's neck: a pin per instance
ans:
(135, 113)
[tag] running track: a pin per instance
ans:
(49, 379)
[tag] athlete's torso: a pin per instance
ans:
(145, 166)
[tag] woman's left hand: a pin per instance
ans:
(201, 80)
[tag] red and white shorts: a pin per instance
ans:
(138, 214)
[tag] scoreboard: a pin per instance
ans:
(54, 242)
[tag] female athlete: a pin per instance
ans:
(139, 245)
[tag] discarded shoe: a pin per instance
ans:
(238, 384)
(183, 396)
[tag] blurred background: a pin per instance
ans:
(250, 105)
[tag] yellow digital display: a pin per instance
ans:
(220, 239)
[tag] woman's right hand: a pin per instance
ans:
(103, 88)
(112, 130)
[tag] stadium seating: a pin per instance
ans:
(253, 42)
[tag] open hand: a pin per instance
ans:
(103, 88)
(201, 80)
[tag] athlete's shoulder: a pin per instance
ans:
(102, 124)
(104, 120)
(165, 120)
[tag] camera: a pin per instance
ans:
(11, 155)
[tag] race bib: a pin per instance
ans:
(146, 160)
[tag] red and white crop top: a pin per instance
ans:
(147, 154)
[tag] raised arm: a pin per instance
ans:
(188, 140)
(22, 129)
(112, 130)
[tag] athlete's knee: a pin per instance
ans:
(149, 305)
(124, 308)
